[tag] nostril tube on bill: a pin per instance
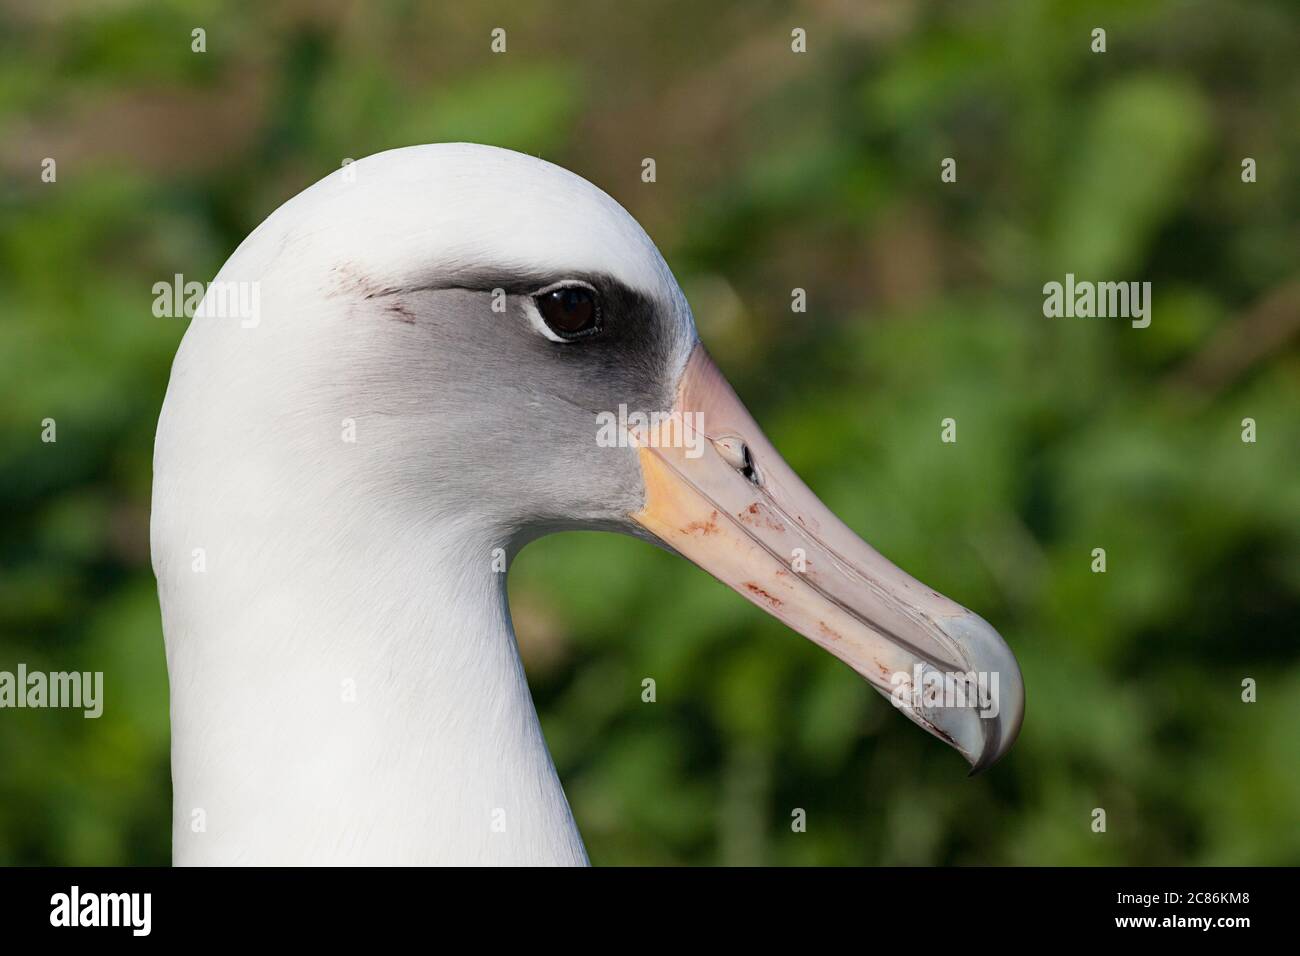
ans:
(735, 452)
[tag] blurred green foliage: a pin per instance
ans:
(775, 171)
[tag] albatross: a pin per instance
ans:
(339, 486)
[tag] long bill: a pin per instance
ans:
(728, 502)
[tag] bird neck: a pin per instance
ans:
(358, 703)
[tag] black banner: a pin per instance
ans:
(732, 905)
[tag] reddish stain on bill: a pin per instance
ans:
(704, 528)
(760, 515)
(765, 596)
(829, 632)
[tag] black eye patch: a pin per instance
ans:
(573, 306)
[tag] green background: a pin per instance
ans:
(775, 171)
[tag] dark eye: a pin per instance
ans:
(570, 311)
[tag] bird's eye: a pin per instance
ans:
(570, 311)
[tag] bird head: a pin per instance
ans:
(517, 356)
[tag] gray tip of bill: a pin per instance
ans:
(982, 719)
(988, 655)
